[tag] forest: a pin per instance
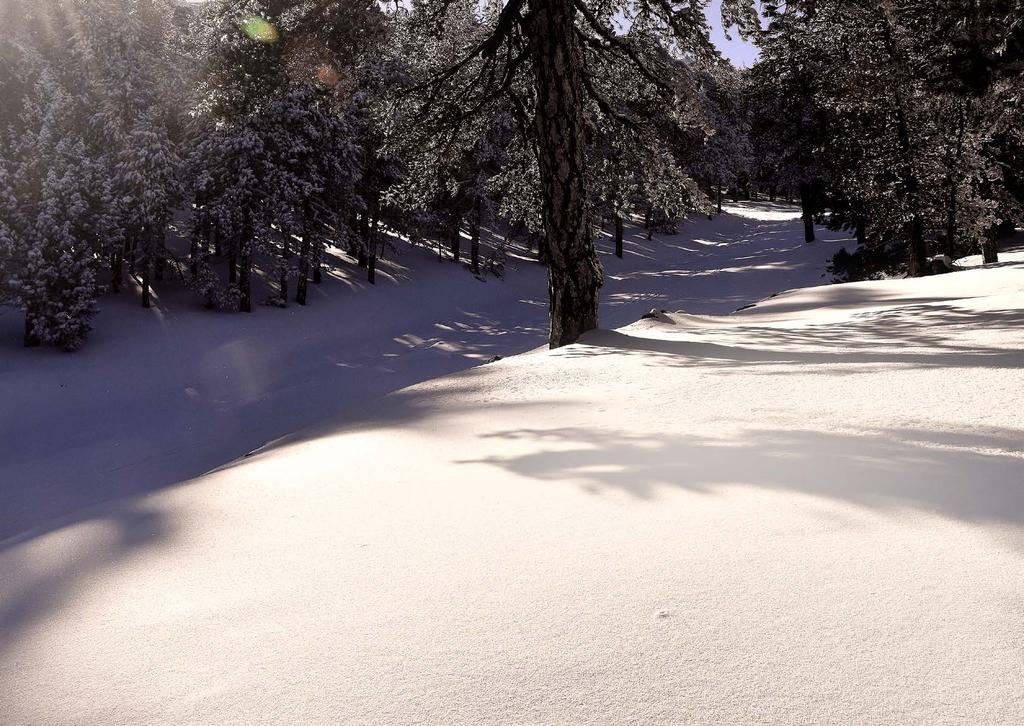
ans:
(472, 362)
(146, 143)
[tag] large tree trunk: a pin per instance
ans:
(574, 271)
(862, 233)
(807, 207)
(618, 235)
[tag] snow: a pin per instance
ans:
(160, 396)
(808, 511)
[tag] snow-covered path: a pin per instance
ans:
(160, 396)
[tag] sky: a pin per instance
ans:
(740, 52)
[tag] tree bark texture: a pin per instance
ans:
(574, 271)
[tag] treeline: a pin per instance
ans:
(268, 131)
(901, 122)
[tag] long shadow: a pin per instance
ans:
(877, 338)
(30, 590)
(886, 470)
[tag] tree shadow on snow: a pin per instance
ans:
(886, 471)
(31, 590)
(910, 335)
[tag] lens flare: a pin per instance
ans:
(327, 76)
(259, 29)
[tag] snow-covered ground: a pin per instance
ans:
(808, 511)
(159, 396)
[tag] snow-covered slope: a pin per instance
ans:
(160, 396)
(809, 511)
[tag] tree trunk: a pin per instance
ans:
(193, 254)
(951, 219)
(232, 267)
(147, 264)
(807, 205)
(31, 340)
(474, 237)
(300, 286)
(318, 262)
(719, 205)
(353, 235)
(245, 294)
(455, 237)
(917, 262)
(116, 271)
(130, 254)
(160, 259)
(286, 254)
(989, 250)
(618, 235)
(918, 251)
(364, 238)
(371, 241)
(574, 270)
(861, 232)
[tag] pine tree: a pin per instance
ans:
(545, 40)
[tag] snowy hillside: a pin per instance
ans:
(808, 511)
(160, 396)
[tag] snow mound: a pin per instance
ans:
(808, 511)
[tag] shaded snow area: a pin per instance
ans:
(808, 511)
(159, 396)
